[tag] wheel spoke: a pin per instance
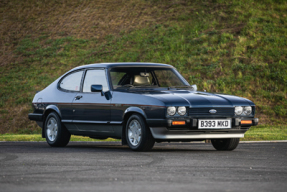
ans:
(52, 122)
(132, 128)
(131, 136)
(49, 126)
(137, 125)
(140, 131)
(50, 135)
(134, 124)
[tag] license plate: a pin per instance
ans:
(214, 123)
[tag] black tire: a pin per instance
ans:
(225, 144)
(61, 137)
(146, 141)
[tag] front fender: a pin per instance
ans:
(136, 110)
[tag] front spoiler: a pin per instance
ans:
(165, 134)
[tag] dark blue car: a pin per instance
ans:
(139, 103)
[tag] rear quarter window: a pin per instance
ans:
(72, 82)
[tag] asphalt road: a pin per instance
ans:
(103, 166)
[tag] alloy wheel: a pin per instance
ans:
(134, 132)
(52, 129)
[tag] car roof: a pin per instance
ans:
(123, 64)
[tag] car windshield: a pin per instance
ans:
(146, 77)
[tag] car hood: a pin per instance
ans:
(194, 99)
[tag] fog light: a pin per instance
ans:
(245, 122)
(178, 123)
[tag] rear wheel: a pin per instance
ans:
(225, 144)
(138, 134)
(56, 134)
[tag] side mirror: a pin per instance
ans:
(96, 88)
(194, 87)
(99, 88)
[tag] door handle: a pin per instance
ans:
(78, 97)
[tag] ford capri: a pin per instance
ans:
(139, 103)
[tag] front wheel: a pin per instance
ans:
(138, 134)
(56, 134)
(225, 144)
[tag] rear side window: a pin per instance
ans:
(95, 77)
(72, 81)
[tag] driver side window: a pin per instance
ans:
(95, 77)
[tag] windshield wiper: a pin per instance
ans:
(186, 86)
(146, 86)
(126, 86)
(137, 86)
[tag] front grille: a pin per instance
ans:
(220, 111)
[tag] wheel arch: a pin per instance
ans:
(134, 110)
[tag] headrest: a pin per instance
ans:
(139, 80)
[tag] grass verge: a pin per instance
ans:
(37, 137)
(259, 133)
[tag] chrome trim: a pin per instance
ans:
(116, 122)
(99, 122)
(95, 122)
(212, 111)
(163, 133)
(67, 121)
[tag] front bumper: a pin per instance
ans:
(162, 129)
(192, 123)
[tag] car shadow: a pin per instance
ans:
(82, 147)
(162, 147)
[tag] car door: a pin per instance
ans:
(91, 110)
(68, 88)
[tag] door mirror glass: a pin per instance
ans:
(96, 88)
(194, 87)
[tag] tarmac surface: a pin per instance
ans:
(108, 166)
